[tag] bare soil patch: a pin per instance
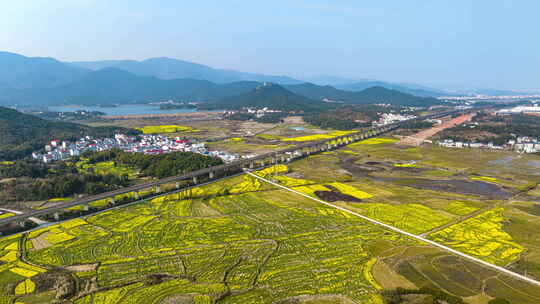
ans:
(332, 196)
(308, 299)
(178, 299)
(83, 267)
(41, 242)
(464, 187)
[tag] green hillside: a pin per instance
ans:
(371, 95)
(21, 134)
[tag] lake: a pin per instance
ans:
(132, 109)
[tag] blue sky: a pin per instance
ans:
(445, 43)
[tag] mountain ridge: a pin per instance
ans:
(21, 72)
(116, 86)
(170, 68)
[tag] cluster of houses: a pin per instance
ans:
(521, 144)
(147, 144)
(389, 118)
(257, 112)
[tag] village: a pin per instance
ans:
(522, 144)
(148, 144)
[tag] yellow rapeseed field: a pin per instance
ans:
(484, 179)
(405, 165)
(6, 214)
(376, 141)
(350, 190)
(25, 287)
(318, 136)
(459, 208)
(165, 129)
(10, 256)
(483, 237)
(23, 272)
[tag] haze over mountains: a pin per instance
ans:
(46, 81)
(168, 68)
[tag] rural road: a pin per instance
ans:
(414, 236)
(33, 219)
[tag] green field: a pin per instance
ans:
(161, 129)
(107, 167)
(241, 240)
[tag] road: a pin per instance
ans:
(33, 219)
(414, 236)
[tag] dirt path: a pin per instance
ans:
(418, 138)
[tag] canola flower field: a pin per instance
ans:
(242, 241)
(166, 129)
(107, 167)
(317, 136)
(305, 138)
(238, 240)
(483, 237)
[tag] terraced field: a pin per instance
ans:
(241, 240)
(258, 245)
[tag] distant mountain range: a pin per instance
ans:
(20, 72)
(114, 86)
(406, 88)
(168, 68)
(46, 81)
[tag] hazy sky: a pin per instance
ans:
(446, 43)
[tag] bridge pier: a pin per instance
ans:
(56, 216)
(251, 164)
(158, 189)
(86, 208)
(177, 185)
(112, 201)
(136, 195)
(195, 180)
(211, 175)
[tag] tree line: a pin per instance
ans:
(159, 166)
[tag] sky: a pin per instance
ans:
(443, 43)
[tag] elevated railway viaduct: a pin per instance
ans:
(211, 173)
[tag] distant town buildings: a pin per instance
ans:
(147, 144)
(534, 109)
(521, 144)
(489, 97)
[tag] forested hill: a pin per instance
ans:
(371, 95)
(272, 96)
(375, 95)
(21, 134)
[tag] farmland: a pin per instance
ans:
(107, 167)
(241, 240)
(160, 129)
